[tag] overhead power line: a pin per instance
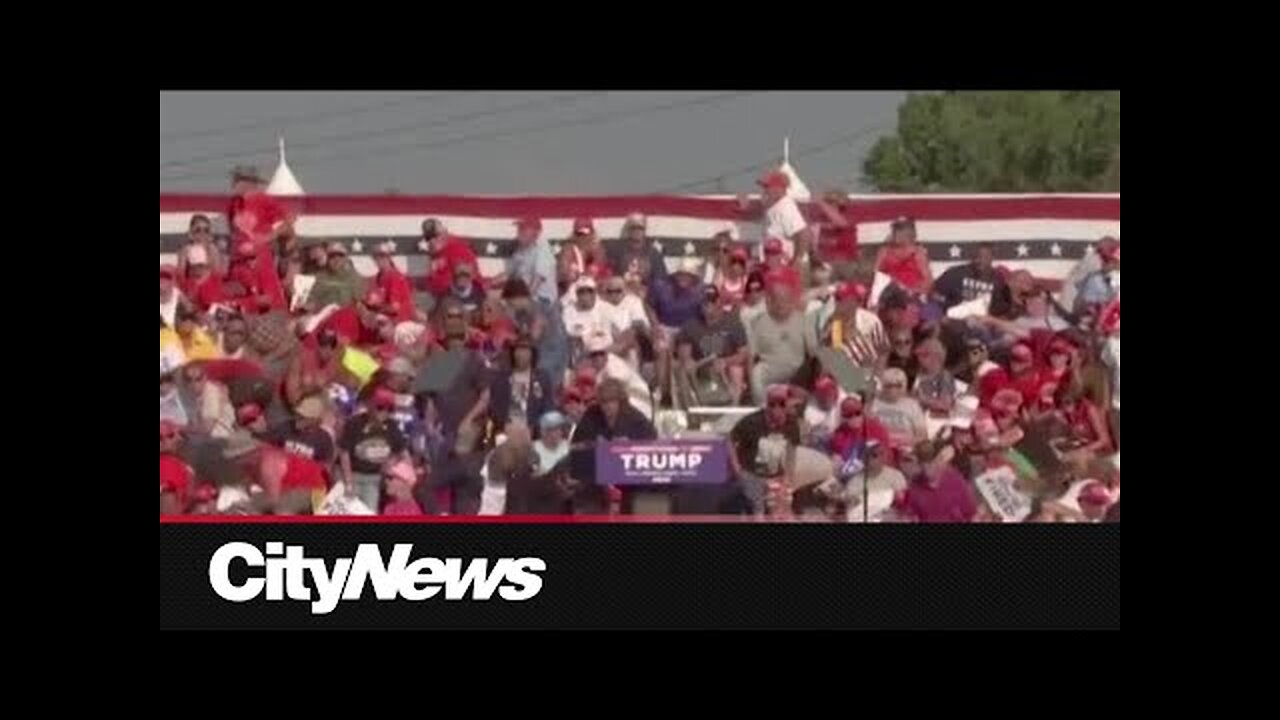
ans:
(330, 140)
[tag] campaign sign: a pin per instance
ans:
(662, 462)
(999, 489)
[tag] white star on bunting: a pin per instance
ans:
(1023, 250)
(657, 246)
(555, 248)
(357, 246)
(490, 249)
(423, 245)
(689, 248)
(1056, 250)
(954, 251)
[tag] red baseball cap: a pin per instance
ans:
(1109, 250)
(384, 398)
(1021, 352)
(774, 179)
(246, 414)
(169, 429)
(529, 222)
(773, 246)
(583, 226)
(1109, 322)
(777, 392)
(1095, 493)
(850, 406)
(851, 291)
(825, 384)
(738, 254)
(205, 492)
(168, 271)
(585, 376)
(1006, 400)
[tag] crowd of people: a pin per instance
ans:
(869, 389)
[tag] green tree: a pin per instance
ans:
(1036, 141)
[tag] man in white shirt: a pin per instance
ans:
(170, 296)
(781, 215)
(586, 316)
(608, 365)
(626, 313)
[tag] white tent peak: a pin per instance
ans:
(797, 190)
(283, 182)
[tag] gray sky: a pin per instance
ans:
(560, 142)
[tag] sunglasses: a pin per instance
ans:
(901, 342)
(777, 403)
(201, 230)
(453, 316)
(891, 386)
(976, 351)
(613, 291)
(168, 436)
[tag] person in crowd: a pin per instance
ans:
(731, 281)
(1102, 286)
(675, 301)
(233, 341)
(533, 261)
(170, 295)
(983, 376)
(199, 281)
(313, 369)
(197, 343)
(252, 286)
(1038, 316)
(934, 386)
(251, 418)
(818, 298)
(445, 253)
(369, 441)
(904, 260)
(763, 453)
(256, 216)
(612, 417)
(1024, 376)
(968, 281)
(466, 288)
(1110, 327)
(552, 444)
(1089, 435)
(1011, 303)
(629, 320)
(780, 340)
(900, 413)
(607, 365)
(543, 323)
(303, 435)
(496, 328)
(822, 412)
(200, 235)
(718, 337)
(462, 408)
(1091, 263)
(753, 300)
(853, 329)
(280, 483)
(902, 354)
(573, 403)
(177, 478)
(587, 316)
(722, 244)
(393, 283)
(583, 254)
(857, 427)
(399, 478)
(781, 216)
(837, 236)
(636, 254)
(778, 271)
(938, 493)
(214, 416)
(868, 496)
(519, 391)
(399, 375)
(1088, 494)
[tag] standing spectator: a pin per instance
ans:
(177, 478)
(574, 405)
(962, 283)
(303, 436)
(1024, 376)
(256, 216)
(462, 408)
(984, 377)
(822, 414)
(1036, 315)
(532, 261)
(938, 493)
(763, 450)
(719, 336)
(582, 254)
(723, 242)
(446, 253)
(852, 328)
(251, 419)
(781, 215)
(837, 237)
(934, 386)
(543, 323)
(392, 282)
(552, 445)
(780, 341)
(753, 302)
(1102, 286)
(170, 296)
(904, 260)
(635, 254)
(368, 442)
(675, 301)
(466, 289)
(200, 235)
(611, 418)
(290, 484)
(1091, 263)
(777, 271)
(313, 369)
(629, 319)
(609, 366)
(900, 413)
(519, 391)
(732, 280)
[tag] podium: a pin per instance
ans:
(651, 473)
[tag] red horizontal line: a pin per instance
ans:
(452, 519)
(923, 208)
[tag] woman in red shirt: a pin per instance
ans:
(904, 260)
(393, 283)
(1089, 432)
(837, 237)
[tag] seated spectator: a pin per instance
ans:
(938, 493)
(393, 283)
(984, 377)
(1024, 376)
(200, 282)
(177, 478)
(399, 478)
(857, 428)
(612, 417)
(763, 452)
(821, 291)
(251, 419)
(901, 353)
(1038, 315)
(466, 289)
(313, 369)
(900, 413)
(445, 253)
(869, 494)
(544, 324)
(675, 301)
(338, 283)
(214, 415)
(234, 338)
(518, 390)
(852, 328)
(778, 271)
(252, 285)
(1089, 264)
(635, 254)
(288, 484)
(718, 337)
(197, 343)
(780, 341)
(1089, 435)
(629, 319)
(1103, 285)
(533, 261)
(369, 441)
(303, 436)
(573, 403)
(934, 386)
(731, 280)
(587, 317)
(753, 300)
(822, 413)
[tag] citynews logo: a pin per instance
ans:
(287, 567)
